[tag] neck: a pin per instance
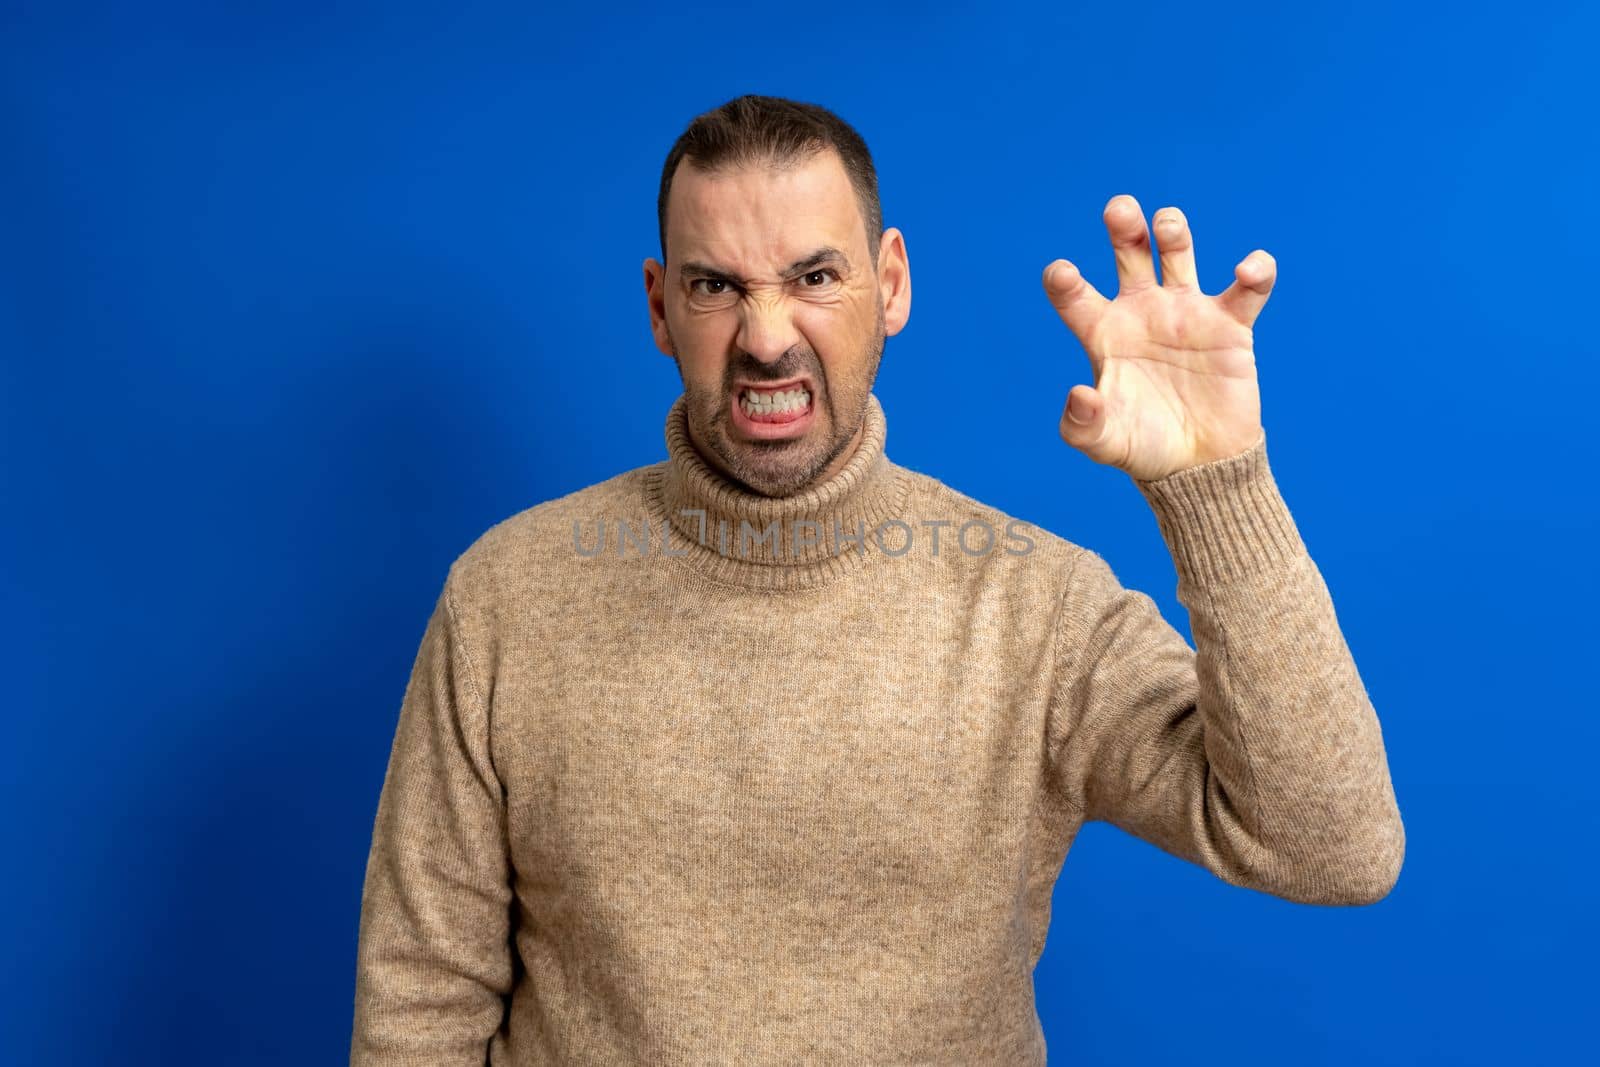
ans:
(711, 459)
(748, 538)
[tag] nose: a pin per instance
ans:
(767, 329)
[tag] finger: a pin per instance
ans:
(1177, 250)
(1083, 421)
(1130, 241)
(1254, 278)
(1079, 304)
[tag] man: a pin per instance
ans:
(773, 772)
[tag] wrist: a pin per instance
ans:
(1224, 517)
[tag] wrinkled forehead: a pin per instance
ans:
(756, 220)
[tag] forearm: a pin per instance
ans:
(1290, 730)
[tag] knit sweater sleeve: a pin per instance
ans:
(1256, 754)
(434, 959)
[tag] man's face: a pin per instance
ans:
(770, 288)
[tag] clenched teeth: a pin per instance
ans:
(757, 403)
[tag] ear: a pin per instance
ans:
(894, 280)
(655, 276)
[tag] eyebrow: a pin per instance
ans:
(825, 254)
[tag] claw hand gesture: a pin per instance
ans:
(1174, 369)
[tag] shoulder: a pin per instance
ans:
(532, 548)
(983, 540)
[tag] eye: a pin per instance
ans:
(818, 274)
(709, 281)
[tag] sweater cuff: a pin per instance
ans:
(1225, 518)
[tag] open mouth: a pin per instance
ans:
(770, 413)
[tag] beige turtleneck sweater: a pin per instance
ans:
(697, 801)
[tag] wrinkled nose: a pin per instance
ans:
(767, 330)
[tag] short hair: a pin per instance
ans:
(774, 131)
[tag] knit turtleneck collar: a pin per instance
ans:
(821, 531)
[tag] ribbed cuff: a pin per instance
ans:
(1225, 518)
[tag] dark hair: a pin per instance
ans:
(770, 130)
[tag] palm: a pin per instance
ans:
(1174, 369)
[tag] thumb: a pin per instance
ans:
(1083, 420)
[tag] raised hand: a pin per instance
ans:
(1174, 369)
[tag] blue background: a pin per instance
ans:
(295, 304)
